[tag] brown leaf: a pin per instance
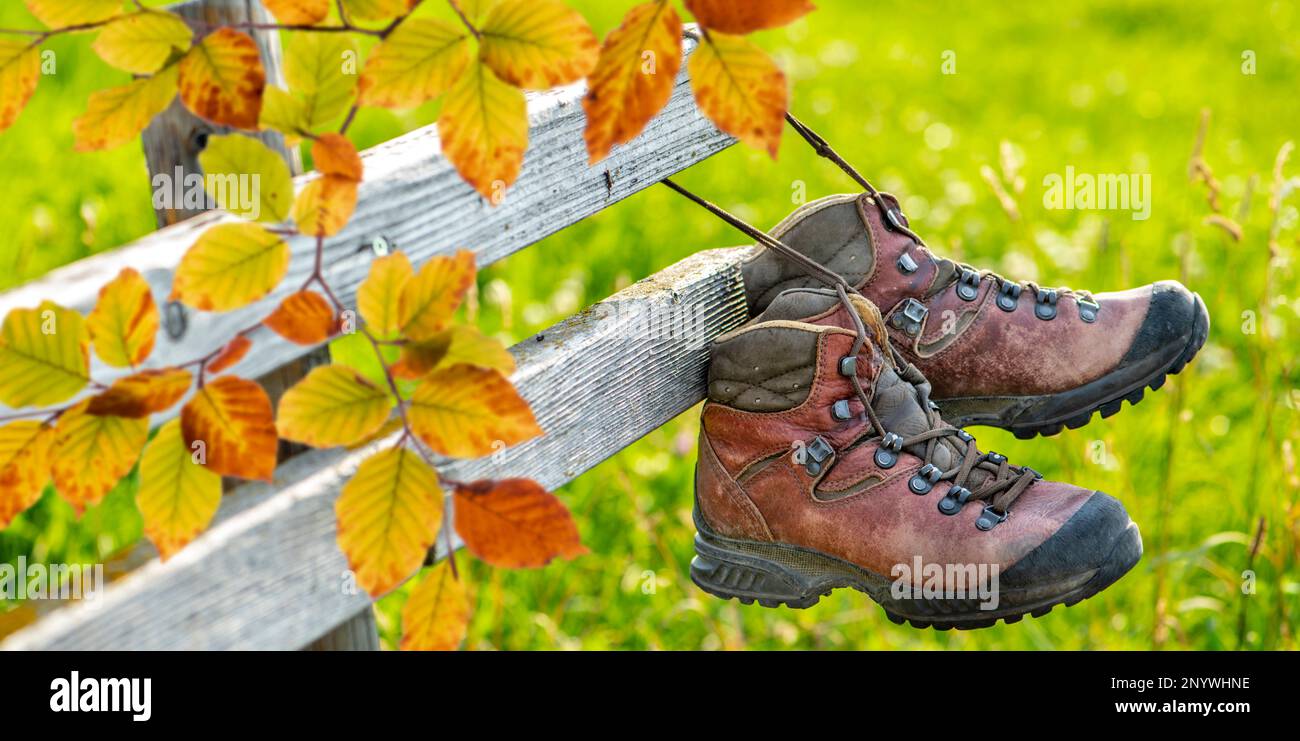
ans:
(304, 317)
(231, 418)
(232, 353)
(729, 16)
(141, 394)
(515, 523)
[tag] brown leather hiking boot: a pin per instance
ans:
(823, 464)
(1013, 355)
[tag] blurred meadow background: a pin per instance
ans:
(1206, 466)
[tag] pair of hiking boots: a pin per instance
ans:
(831, 452)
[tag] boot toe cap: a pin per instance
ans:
(1175, 318)
(1098, 539)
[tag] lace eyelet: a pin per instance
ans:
(1045, 304)
(996, 458)
(887, 454)
(1088, 310)
(910, 317)
(923, 481)
(849, 365)
(1009, 296)
(965, 436)
(817, 452)
(906, 264)
(968, 286)
(954, 500)
(840, 410)
(990, 518)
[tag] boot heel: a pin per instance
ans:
(749, 576)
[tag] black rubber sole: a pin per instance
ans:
(1029, 417)
(777, 574)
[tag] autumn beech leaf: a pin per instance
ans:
(285, 113)
(298, 12)
(232, 353)
(24, 466)
(230, 419)
(419, 61)
(429, 299)
(230, 266)
(235, 164)
(124, 322)
(141, 394)
(92, 453)
(143, 42)
(321, 70)
(178, 497)
(305, 318)
(436, 615)
(324, 207)
(377, 10)
(388, 516)
(20, 69)
(484, 131)
(335, 155)
(65, 13)
(380, 293)
(537, 44)
(333, 405)
(468, 412)
(740, 88)
(44, 356)
(515, 524)
(420, 358)
(634, 76)
(729, 16)
(222, 79)
(455, 345)
(117, 115)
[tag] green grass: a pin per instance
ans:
(1100, 86)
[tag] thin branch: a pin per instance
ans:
(464, 19)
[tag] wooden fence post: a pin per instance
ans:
(172, 144)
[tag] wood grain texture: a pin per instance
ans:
(269, 575)
(413, 198)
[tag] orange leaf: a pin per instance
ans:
(515, 523)
(304, 317)
(222, 79)
(231, 419)
(729, 16)
(325, 205)
(436, 616)
(388, 516)
(142, 394)
(232, 353)
(24, 466)
(124, 321)
(430, 299)
(634, 76)
(334, 154)
(92, 453)
(419, 358)
(380, 293)
(20, 70)
(740, 89)
(537, 44)
(467, 412)
(484, 131)
(298, 12)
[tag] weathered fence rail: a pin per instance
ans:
(269, 574)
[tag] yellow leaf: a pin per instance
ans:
(321, 70)
(325, 205)
(143, 42)
(333, 405)
(20, 69)
(117, 115)
(24, 466)
(470, 346)
(222, 79)
(380, 293)
(231, 418)
(333, 154)
(376, 10)
(467, 412)
(476, 10)
(436, 616)
(740, 88)
(284, 113)
(429, 300)
(732, 17)
(298, 12)
(66, 13)
(418, 62)
(141, 394)
(230, 266)
(388, 516)
(634, 76)
(92, 453)
(538, 44)
(178, 497)
(43, 356)
(247, 178)
(484, 131)
(124, 321)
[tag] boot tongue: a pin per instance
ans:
(823, 306)
(901, 409)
